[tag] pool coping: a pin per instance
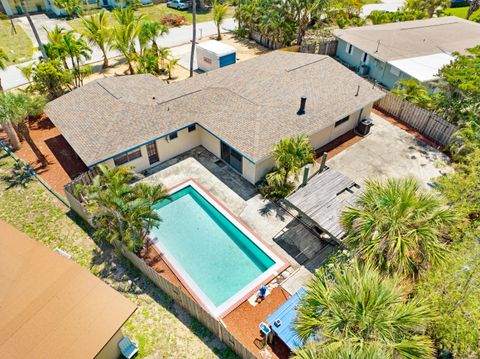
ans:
(250, 288)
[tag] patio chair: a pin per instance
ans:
(127, 347)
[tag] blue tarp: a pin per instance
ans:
(287, 314)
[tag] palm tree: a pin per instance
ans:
(396, 227)
(124, 41)
(303, 12)
(34, 29)
(219, 15)
(54, 48)
(170, 66)
(163, 54)
(120, 211)
(150, 31)
(15, 109)
(415, 92)
(428, 6)
(3, 64)
(97, 31)
(77, 50)
(474, 6)
(126, 16)
(291, 154)
(356, 312)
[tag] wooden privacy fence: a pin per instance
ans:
(176, 293)
(320, 47)
(215, 326)
(264, 40)
(425, 122)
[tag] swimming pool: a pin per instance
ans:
(218, 259)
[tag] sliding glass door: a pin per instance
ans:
(232, 157)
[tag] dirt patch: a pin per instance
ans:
(63, 163)
(119, 67)
(246, 49)
(243, 323)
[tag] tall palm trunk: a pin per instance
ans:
(105, 57)
(474, 6)
(1, 88)
(194, 35)
(34, 29)
(23, 129)
(12, 136)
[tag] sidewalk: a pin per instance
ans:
(12, 76)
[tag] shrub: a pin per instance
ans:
(173, 20)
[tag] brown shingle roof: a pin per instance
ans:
(250, 105)
(401, 40)
(50, 307)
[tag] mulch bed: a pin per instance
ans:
(243, 323)
(338, 145)
(63, 163)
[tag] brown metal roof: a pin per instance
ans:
(50, 307)
(402, 40)
(250, 105)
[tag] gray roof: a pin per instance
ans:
(250, 105)
(401, 40)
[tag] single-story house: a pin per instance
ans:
(50, 307)
(237, 112)
(13, 7)
(417, 49)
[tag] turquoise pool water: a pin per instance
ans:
(218, 256)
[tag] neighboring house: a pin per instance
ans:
(13, 8)
(237, 113)
(50, 307)
(404, 50)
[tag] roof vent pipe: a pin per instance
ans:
(303, 101)
(358, 90)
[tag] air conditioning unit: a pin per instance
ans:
(363, 70)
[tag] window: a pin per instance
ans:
(127, 157)
(349, 49)
(173, 135)
(365, 58)
(394, 71)
(343, 120)
(192, 128)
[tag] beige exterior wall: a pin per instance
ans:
(184, 142)
(252, 172)
(110, 350)
(248, 169)
(210, 142)
(263, 167)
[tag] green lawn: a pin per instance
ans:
(462, 12)
(159, 326)
(156, 13)
(365, 2)
(18, 46)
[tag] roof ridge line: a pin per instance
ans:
(304, 65)
(103, 87)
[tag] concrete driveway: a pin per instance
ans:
(386, 5)
(389, 151)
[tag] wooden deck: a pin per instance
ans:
(323, 199)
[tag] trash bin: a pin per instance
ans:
(364, 127)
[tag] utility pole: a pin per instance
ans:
(194, 35)
(32, 25)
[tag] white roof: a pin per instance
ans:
(217, 47)
(423, 68)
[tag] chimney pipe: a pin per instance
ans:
(303, 101)
(358, 91)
